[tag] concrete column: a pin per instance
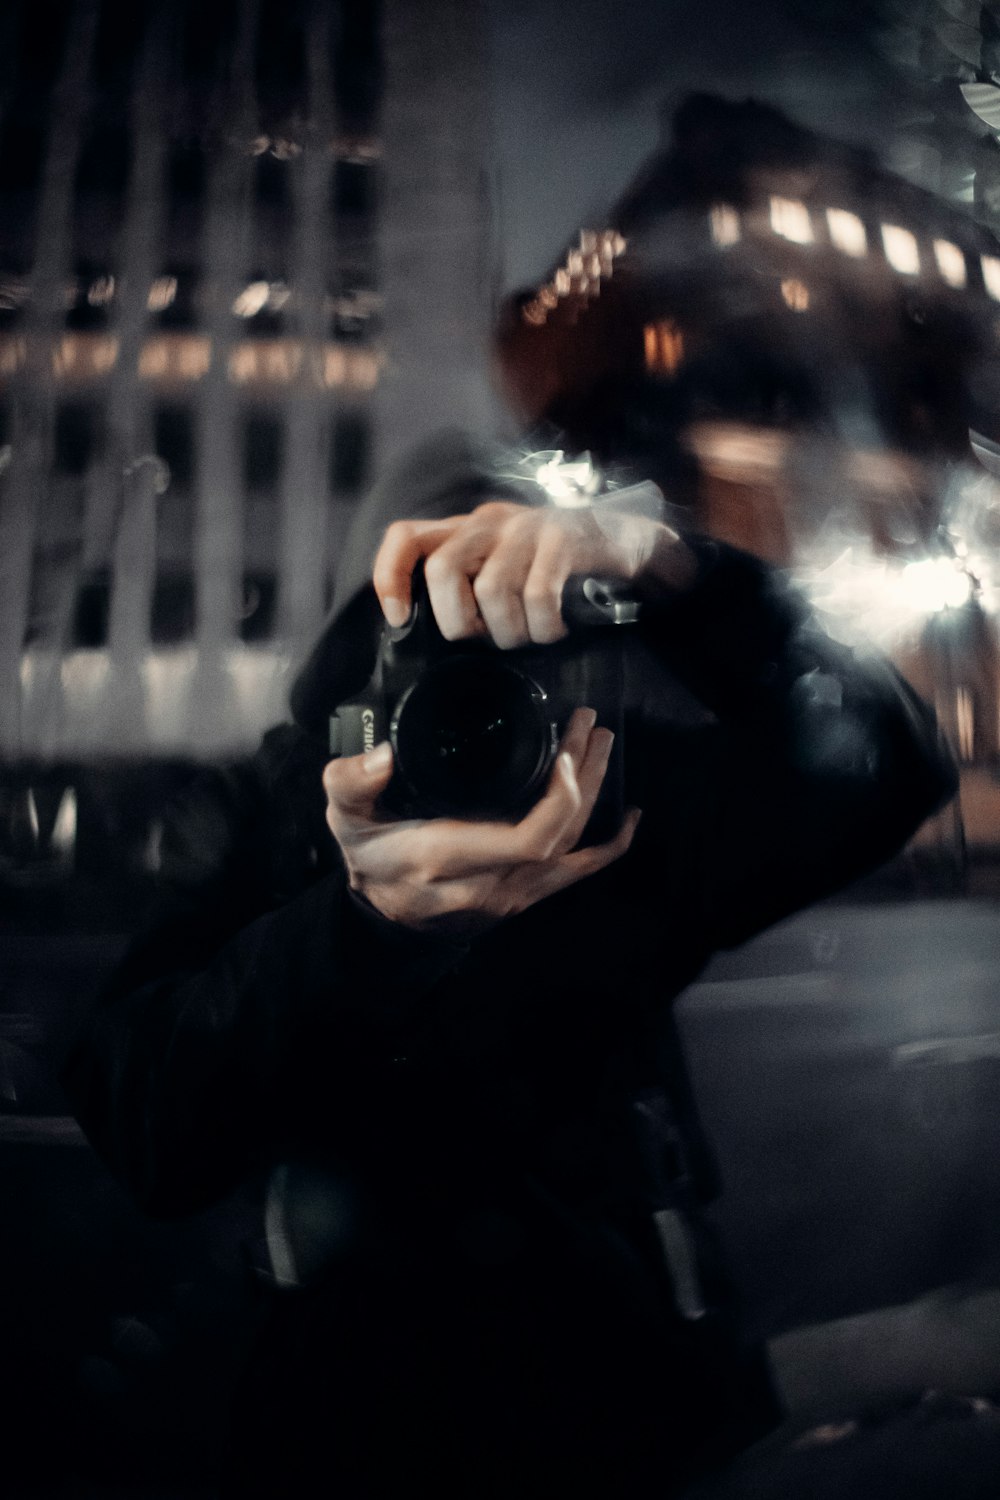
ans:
(219, 499)
(435, 242)
(24, 482)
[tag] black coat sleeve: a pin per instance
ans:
(815, 764)
(188, 1070)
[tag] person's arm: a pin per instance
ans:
(243, 1006)
(189, 1066)
(819, 766)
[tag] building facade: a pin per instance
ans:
(244, 259)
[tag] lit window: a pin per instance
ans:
(252, 299)
(950, 262)
(154, 359)
(847, 232)
(796, 294)
(79, 356)
(242, 364)
(162, 293)
(101, 291)
(991, 274)
(334, 365)
(362, 370)
(13, 354)
(663, 345)
(193, 358)
(901, 249)
(791, 220)
(175, 357)
(282, 360)
(725, 222)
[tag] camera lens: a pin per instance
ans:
(472, 738)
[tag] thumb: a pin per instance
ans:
(353, 783)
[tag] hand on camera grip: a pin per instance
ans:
(501, 570)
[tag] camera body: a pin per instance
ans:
(475, 730)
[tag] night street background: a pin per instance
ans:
(248, 254)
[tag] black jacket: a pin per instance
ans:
(482, 1132)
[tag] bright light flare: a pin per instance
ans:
(570, 484)
(864, 598)
(935, 584)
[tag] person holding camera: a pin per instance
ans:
(436, 1019)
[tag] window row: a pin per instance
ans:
(202, 40)
(909, 252)
(265, 305)
(262, 440)
(173, 610)
(105, 161)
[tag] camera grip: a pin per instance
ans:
(589, 602)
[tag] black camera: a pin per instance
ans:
(475, 730)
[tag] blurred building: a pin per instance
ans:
(244, 258)
(795, 342)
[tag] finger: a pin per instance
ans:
(590, 778)
(576, 735)
(353, 784)
(583, 862)
(500, 582)
(543, 588)
(449, 573)
(402, 547)
(541, 831)
(451, 849)
(453, 570)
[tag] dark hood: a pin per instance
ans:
(449, 474)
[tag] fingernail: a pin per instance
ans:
(378, 760)
(395, 612)
(589, 717)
